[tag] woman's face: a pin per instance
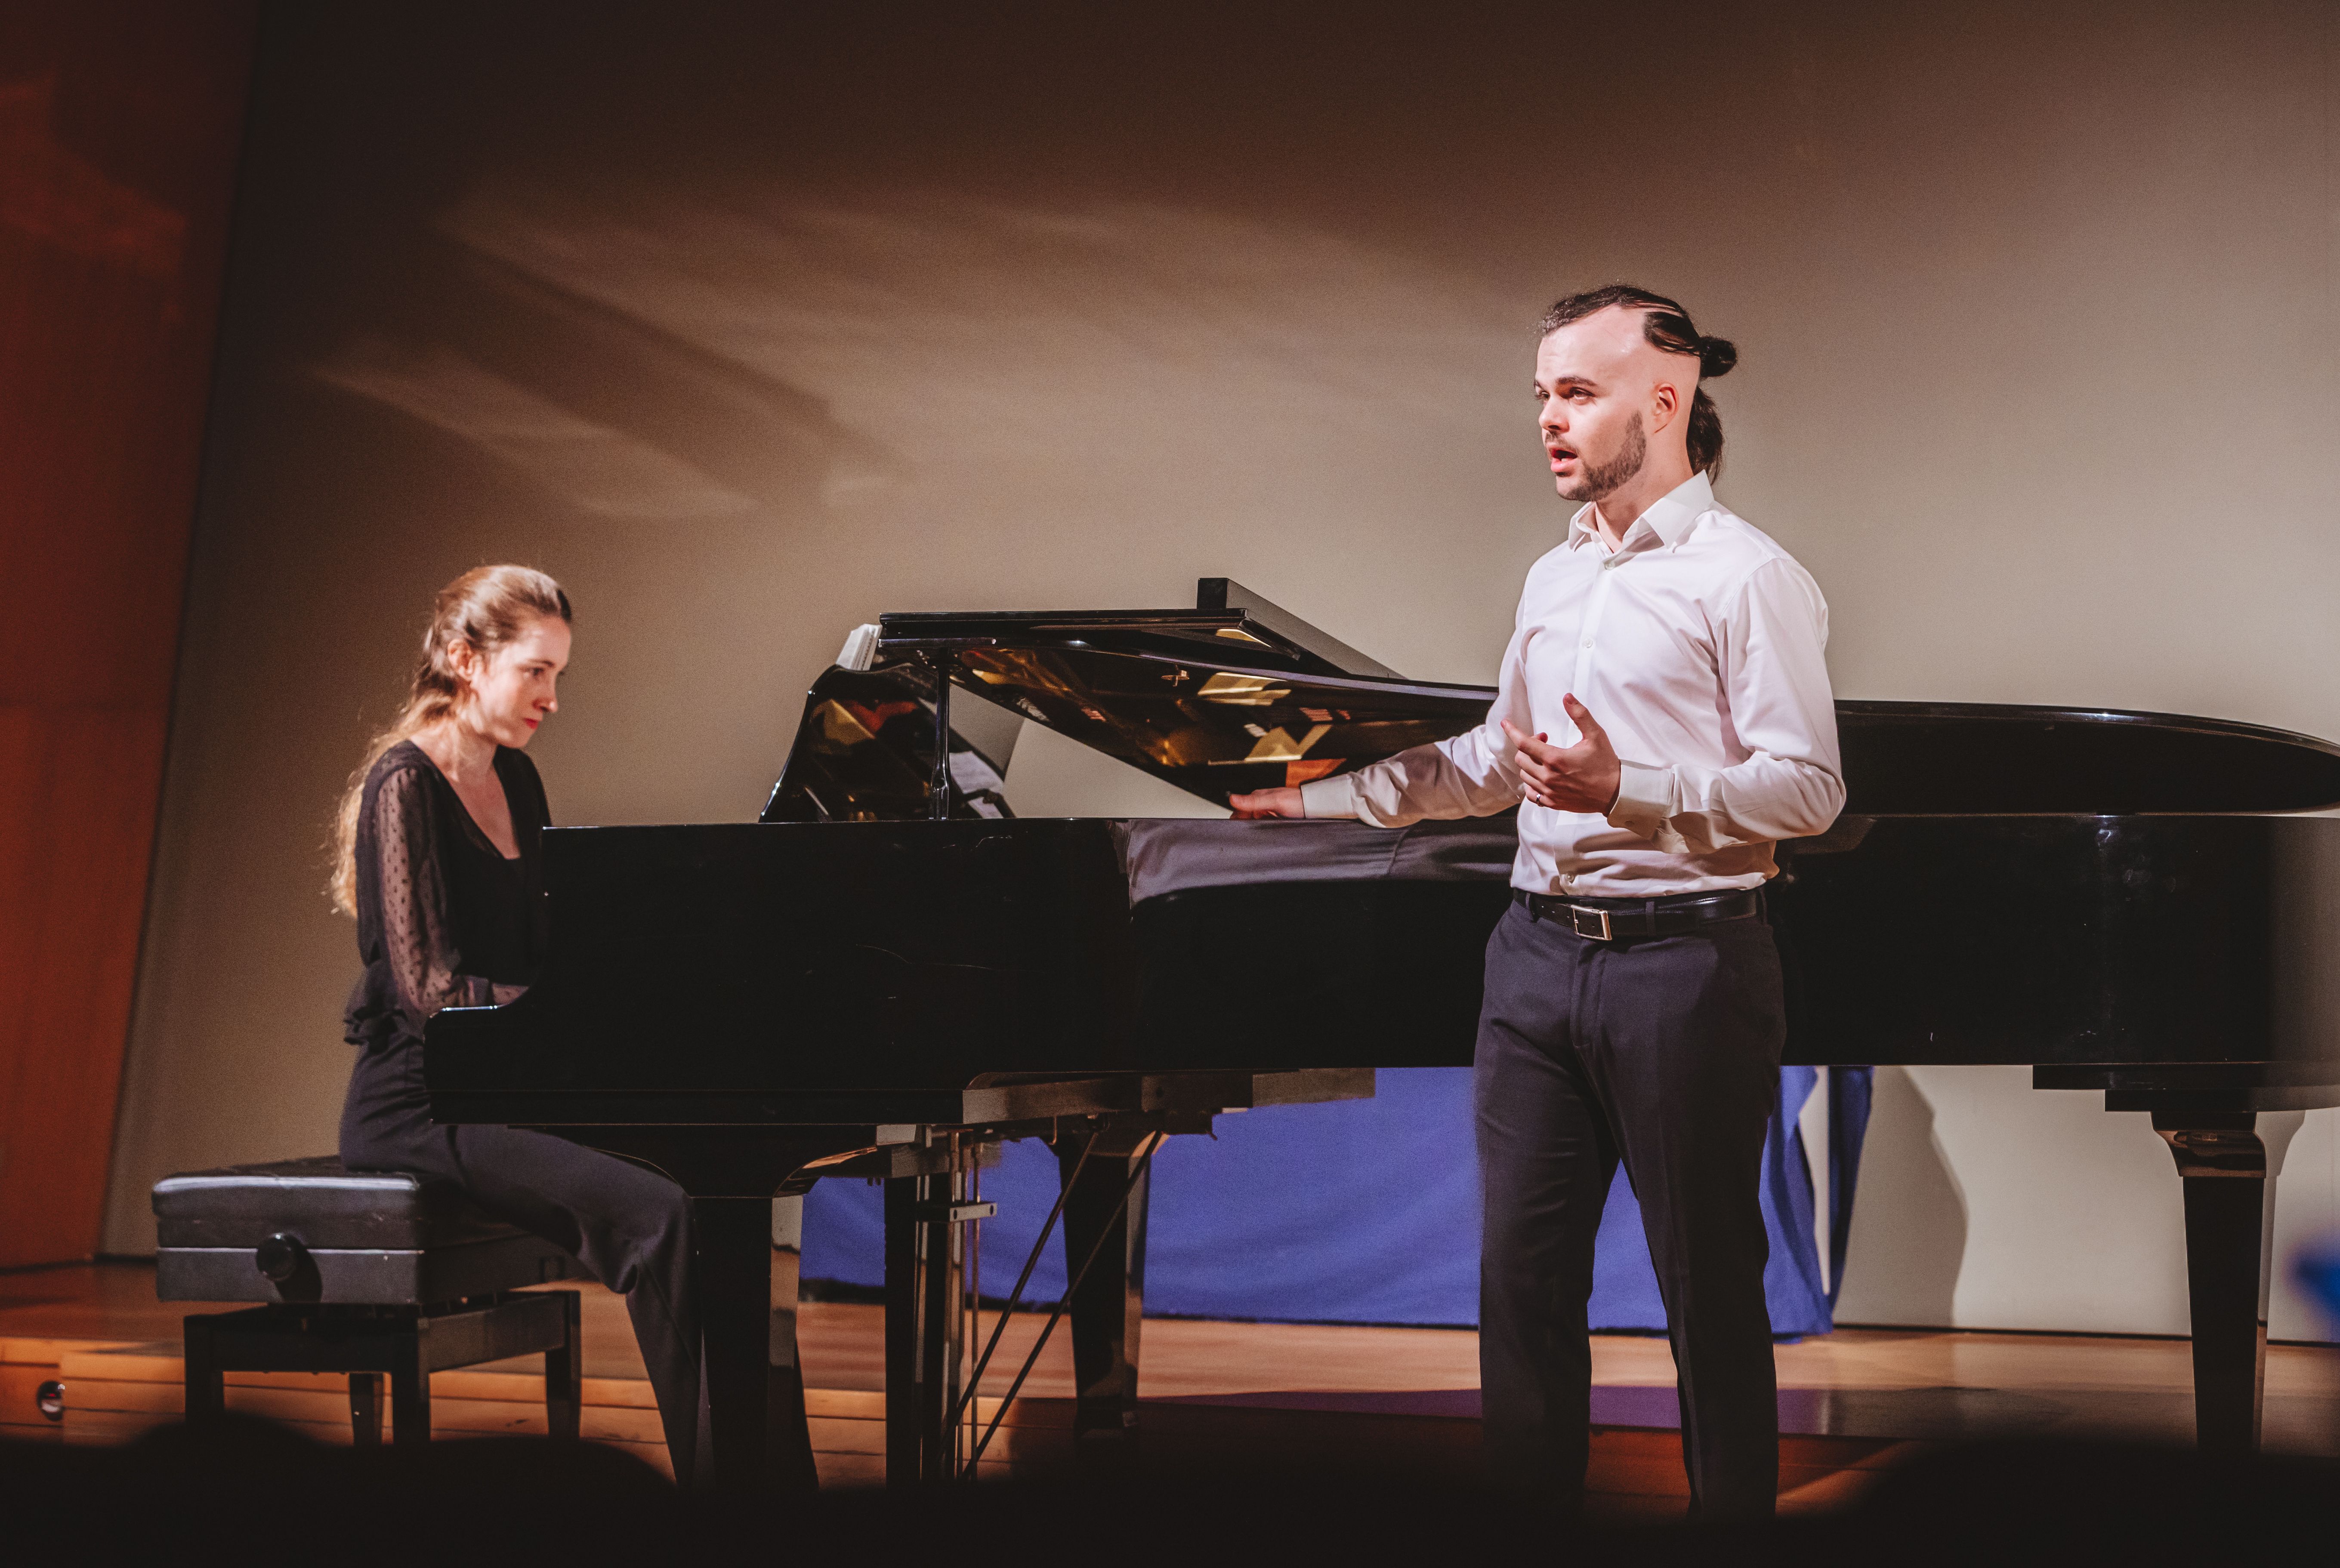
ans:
(511, 689)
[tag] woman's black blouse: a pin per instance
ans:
(443, 917)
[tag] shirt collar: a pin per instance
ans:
(1668, 519)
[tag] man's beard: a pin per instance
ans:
(1598, 481)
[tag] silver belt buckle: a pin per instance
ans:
(1577, 914)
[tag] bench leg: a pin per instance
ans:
(409, 1388)
(206, 1386)
(564, 1372)
(365, 1409)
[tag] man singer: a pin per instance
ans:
(1662, 717)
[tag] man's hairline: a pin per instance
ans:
(1645, 312)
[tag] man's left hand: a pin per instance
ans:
(1268, 803)
(1583, 777)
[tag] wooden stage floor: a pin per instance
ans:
(1224, 1393)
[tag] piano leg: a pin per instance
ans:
(925, 1327)
(1108, 1308)
(787, 1454)
(747, 1260)
(2229, 1210)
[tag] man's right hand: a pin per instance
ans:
(1266, 803)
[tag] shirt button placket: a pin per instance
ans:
(1582, 684)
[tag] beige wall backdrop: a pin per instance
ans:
(751, 328)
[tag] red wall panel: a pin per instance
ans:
(119, 126)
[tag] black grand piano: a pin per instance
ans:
(890, 972)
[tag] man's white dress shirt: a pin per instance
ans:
(1699, 645)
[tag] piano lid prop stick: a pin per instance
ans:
(938, 802)
(972, 1279)
(1136, 1175)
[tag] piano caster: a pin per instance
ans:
(2229, 1220)
(747, 1260)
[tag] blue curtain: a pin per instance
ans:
(1365, 1211)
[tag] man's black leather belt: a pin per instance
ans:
(1622, 919)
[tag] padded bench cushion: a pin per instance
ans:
(367, 1238)
(319, 1203)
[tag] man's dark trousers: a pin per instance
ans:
(1664, 1050)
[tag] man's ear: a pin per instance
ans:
(1665, 405)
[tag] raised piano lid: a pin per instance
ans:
(1233, 695)
(1239, 695)
(1228, 625)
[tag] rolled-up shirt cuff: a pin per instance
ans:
(1645, 799)
(1329, 797)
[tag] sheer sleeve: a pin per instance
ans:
(424, 965)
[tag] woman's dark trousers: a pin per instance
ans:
(1664, 1052)
(630, 1228)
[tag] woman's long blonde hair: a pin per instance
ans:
(483, 609)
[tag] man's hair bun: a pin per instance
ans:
(1715, 357)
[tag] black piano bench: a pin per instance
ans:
(363, 1272)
